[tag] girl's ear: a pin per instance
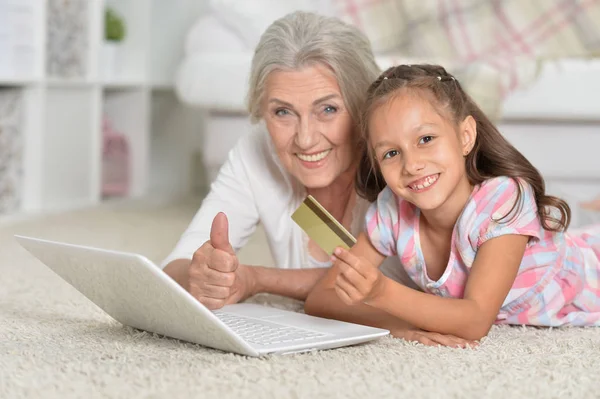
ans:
(468, 134)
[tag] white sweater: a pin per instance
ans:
(252, 187)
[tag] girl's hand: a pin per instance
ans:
(358, 281)
(434, 339)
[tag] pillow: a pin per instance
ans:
(208, 34)
(382, 21)
(250, 18)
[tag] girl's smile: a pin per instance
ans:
(424, 183)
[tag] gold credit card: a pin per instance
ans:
(321, 227)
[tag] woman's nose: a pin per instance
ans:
(307, 135)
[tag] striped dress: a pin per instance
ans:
(558, 281)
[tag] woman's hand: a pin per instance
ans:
(358, 280)
(215, 276)
(434, 339)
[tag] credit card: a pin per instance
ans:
(321, 227)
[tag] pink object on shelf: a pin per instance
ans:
(115, 161)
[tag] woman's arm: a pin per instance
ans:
(292, 283)
(204, 261)
(230, 193)
(491, 278)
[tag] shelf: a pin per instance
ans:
(162, 86)
(16, 82)
(123, 84)
(61, 82)
(57, 63)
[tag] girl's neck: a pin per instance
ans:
(338, 195)
(443, 218)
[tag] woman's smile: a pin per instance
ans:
(314, 159)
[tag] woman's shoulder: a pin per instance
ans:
(255, 152)
(254, 145)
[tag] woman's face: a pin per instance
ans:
(310, 126)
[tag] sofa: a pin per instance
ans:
(554, 119)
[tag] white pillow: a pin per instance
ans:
(250, 18)
(208, 34)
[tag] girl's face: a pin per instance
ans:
(420, 152)
(311, 128)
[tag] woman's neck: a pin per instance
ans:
(338, 195)
(443, 218)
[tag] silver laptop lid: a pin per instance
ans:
(136, 292)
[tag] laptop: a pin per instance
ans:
(137, 293)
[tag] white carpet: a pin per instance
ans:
(54, 343)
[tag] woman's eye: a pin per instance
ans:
(329, 109)
(390, 154)
(281, 112)
(425, 139)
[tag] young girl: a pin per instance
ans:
(466, 214)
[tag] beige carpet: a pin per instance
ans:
(54, 343)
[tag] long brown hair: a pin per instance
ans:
(491, 156)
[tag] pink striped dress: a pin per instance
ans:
(558, 282)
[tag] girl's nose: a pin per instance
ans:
(413, 164)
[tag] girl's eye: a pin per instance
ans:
(425, 139)
(390, 154)
(329, 109)
(281, 112)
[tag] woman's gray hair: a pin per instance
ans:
(301, 39)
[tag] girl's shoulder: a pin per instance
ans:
(393, 206)
(500, 184)
(500, 193)
(500, 205)
(387, 218)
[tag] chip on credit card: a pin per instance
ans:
(321, 227)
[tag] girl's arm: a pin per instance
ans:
(491, 278)
(325, 301)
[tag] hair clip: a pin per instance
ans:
(439, 78)
(385, 78)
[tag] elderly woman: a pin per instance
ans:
(307, 84)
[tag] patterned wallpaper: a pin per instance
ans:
(11, 166)
(68, 38)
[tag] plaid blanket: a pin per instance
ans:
(493, 46)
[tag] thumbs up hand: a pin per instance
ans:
(215, 276)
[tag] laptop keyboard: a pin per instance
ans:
(261, 332)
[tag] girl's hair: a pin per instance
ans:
(491, 156)
(303, 39)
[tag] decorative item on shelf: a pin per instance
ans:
(114, 34)
(11, 165)
(67, 38)
(115, 162)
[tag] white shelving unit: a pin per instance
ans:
(52, 56)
